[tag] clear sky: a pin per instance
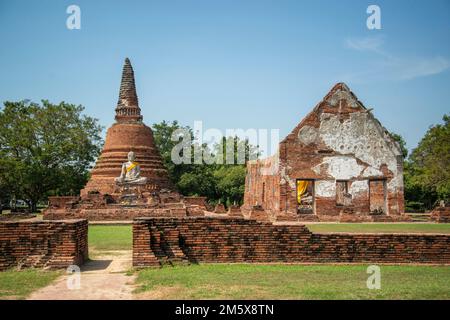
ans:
(232, 64)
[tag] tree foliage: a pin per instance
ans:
(215, 180)
(46, 149)
(402, 143)
(430, 161)
(426, 172)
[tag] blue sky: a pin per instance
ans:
(232, 64)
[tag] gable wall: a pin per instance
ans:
(340, 140)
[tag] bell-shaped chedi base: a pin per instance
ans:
(120, 139)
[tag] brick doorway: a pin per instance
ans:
(305, 196)
(377, 196)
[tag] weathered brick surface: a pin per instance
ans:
(114, 213)
(220, 208)
(205, 239)
(95, 207)
(62, 201)
(198, 201)
(235, 211)
(128, 134)
(352, 161)
(441, 214)
(52, 244)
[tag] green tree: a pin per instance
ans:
(162, 133)
(199, 181)
(402, 144)
(231, 183)
(4, 193)
(430, 161)
(231, 177)
(46, 149)
(217, 181)
(418, 197)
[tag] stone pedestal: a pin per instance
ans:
(130, 193)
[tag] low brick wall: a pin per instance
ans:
(52, 244)
(109, 214)
(205, 239)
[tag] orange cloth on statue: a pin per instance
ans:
(134, 164)
(302, 185)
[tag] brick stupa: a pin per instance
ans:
(127, 134)
(105, 199)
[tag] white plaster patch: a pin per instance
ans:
(359, 187)
(308, 135)
(371, 172)
(317, 169)
(324, 188)
(362, 136)
(340, 167)
(394, 183)
(286, 179)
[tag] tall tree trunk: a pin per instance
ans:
(30, 205)
(33, 206)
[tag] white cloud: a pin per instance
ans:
(394, 67)
(424, 67)
(366, 44)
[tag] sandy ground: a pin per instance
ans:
(103, 278)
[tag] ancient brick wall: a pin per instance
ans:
(441, 214)
(262, 185)
(62, 201)
(197, 201)
(117, 213)
(53, 244)
(205, 239)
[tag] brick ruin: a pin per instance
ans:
(129, 133)
(157, 241)
(441, 213)
(338, 164)
(102, 198)
(47, 244)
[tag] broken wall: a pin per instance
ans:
(341, 141)
(352, 160)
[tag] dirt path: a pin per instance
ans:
(102, 278)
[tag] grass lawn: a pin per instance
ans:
(246, 281)
(18, 284)
(380, 227)
(106, 238)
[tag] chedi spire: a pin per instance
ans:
(127, 109)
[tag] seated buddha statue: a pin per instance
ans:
(131, 172)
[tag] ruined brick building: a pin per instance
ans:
(339, 163)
